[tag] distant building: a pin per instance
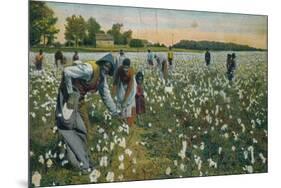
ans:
(104, 40)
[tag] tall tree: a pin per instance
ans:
(115, 31)
(42, 23)
(93, 27)
(127, 35)
(75, 29)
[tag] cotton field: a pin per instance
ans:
(196, 124)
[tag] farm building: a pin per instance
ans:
(104, 40)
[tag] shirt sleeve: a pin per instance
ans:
(105, 94)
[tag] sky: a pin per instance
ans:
(170, 26)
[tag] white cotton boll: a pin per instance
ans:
(248, 168)
(41, 159)
(121, 166)
(169, 130)
(168, 171)
(110, 177)
(255, 141)
(55, 128)
(49, 163)
(134, 160)
(212, 163)
(149, 125)
(220, 150)
(182, 167)
(98, 147)
(64, 162)
(101, 130)
(36, 179)
(243, 127)
(105, 136)
(94, 176)
(245, 154)
(233, 148)
(121, 157)
(202, 146)
(198, 161)
(121, 177)
(183, 150)
(44, 119)
(262, 158)
(112, 144)
(103, 161)
(33, 114)
(104, 148)
(122, 143)
(128, 152)
(224, 127)
(134, 170)
(226, 135)
(61, 156)
(235, 135)
(251, 150)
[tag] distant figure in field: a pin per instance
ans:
(59, 58)
(231, 66)
(149, 57)
(228, 62)
(120, 58)
(75, 56)
(170, 58)
(162, 65)
(39, 60)
(207, 57)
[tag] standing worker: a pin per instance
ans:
(207, 57)
(170, 58)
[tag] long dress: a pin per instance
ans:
(126, 85)
(140, 104)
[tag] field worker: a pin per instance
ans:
(72, 111)
(228, 62)
(75, 56)
(170, 58)
(207, 57)
(124, 85)
(162, 66)
(149, 58)
(120, 59)
(140, 101)
(59, 59)
(91, 77)
(39, 60)
(231, 67)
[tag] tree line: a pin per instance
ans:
(212, 45)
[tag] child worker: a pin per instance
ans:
(140, 104)
(124, 86)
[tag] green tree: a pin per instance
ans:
(75, 29)
(42, 23)
(119, 37)
(127, 35)
(93, 27)
(136, 43)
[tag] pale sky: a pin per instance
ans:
(170, 26)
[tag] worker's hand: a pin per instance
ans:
(124, 104)
(117, 113)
